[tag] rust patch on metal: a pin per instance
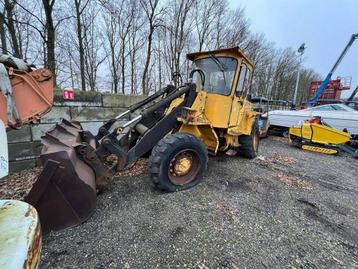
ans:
(34, 251)
(20, 235)
(36, 86)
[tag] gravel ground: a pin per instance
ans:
(288, 208)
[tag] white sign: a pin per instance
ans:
(4, 159)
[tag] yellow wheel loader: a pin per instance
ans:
(176, 126)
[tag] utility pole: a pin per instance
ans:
(300, 50)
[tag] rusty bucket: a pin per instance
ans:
(65, 193)
(37, 86)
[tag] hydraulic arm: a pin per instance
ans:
(135, 137)
(77, 162)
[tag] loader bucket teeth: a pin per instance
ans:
(65, 192)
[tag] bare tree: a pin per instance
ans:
(9, 7)
(50, 60)
(236, 29)
(153, 14)
(219, 26)
(204, 17)
(177, 32)
(80, 7)
(143, 42)
(3, 32)
(93, 43)
(136, 42)
(46, 28)
(123, 14)
(113, 41)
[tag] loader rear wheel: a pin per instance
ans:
(178, 162)
(249, 144)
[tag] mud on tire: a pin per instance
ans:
(178, 162)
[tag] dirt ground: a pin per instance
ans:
(286, 209)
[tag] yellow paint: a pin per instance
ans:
(205, 133)
(174, 104)
(296, 131)
(182, 166)
(242, 117)
(244, 124)
(217, 109)
(231, 140)
(321, 134)
(236, 53)
(213, 115)
(320, 149)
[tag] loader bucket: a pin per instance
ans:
(65, 193)
(36, 86)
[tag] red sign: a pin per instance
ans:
(68, 94)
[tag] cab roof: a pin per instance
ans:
(231, 52)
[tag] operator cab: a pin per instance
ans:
(221, 69)
(223, 76)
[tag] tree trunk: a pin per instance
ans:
(115, 75)
(123, 66)
(147, 61)
(133, 72)
(80, 44)
(3, 34)
(50, 34)
(10, 23)
(160, 65)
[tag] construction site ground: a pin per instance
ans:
(288, 208)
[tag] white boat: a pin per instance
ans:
(338, 116)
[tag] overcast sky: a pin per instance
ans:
(324, 25)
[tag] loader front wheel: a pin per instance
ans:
(178, 162)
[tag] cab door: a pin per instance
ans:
(237, 111)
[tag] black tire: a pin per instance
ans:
(249, 144)
(167, 151)
(266, 127)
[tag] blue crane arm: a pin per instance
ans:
(320, 90)
(329, 76)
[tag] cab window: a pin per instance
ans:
(219, 74)
(243, 83)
